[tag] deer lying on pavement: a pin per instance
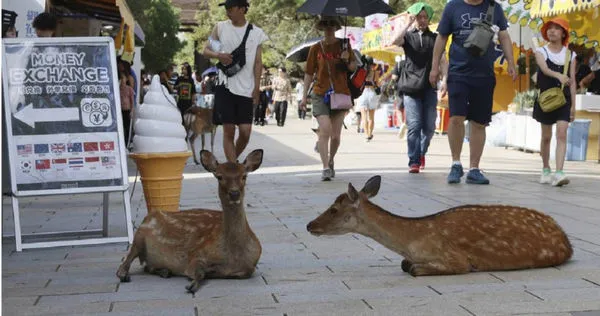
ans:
(202, 243)
(459, 240)
(199, 121)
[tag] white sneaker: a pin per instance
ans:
(546, 177)
(559, 179)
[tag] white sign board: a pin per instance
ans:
(61, 101)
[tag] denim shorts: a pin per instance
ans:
(472, 98)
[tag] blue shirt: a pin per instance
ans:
(456, 21)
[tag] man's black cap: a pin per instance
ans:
(235, 3)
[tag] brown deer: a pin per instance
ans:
(199, 121)
(459, 240)
(201, 243)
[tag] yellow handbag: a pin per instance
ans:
(554, 98)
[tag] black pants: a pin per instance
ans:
(280, 112)
(126, 115)
(260, 110)
(301, 112)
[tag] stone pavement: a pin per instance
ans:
(299, 274)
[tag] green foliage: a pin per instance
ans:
(160, 22)
(525, 99)
(186, 54)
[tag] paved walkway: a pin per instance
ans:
(299, 274)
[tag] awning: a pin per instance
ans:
(545, 8)
(140, 37)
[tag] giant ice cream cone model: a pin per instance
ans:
(160, 149)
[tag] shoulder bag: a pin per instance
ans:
(554, 98)
(238, 57)
(337, 101)
(480, 38)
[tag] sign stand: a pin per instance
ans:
(64, 129)
(20, 245)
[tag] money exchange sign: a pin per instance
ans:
(61, 101)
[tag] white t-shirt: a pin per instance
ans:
(557, 59)
(231, 37)
(299, 90)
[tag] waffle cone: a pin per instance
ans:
(161, 175)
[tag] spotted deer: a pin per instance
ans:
(199, 121)
(201, 243)
(459, 240)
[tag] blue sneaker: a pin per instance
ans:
(476, 177)
(456, 172)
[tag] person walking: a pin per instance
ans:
(186, 90)
(127, 104)
(326, 57)
(471, 80)
(552, 59)
(260, 110)
(45, 24)
(236, 94)
(299, 90)
(368, 101)
(282, 92)
(419, 97)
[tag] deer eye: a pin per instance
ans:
(219, 178)
(244, 177)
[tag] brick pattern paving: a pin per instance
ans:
(299, 274)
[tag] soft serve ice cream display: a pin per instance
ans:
(158, 125)
(160, 148)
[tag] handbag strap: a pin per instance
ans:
(328, 69)
(248, 28)
(489, 16)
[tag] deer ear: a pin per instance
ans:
(372, 186)
(253, 160)
(208, 160)
(352, 193)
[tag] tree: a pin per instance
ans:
(160, 22)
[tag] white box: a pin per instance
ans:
(585, 102)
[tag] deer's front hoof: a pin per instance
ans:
(406, 265)
(125, 279)
(193, 287)
(164, 273)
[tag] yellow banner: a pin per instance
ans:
(544, 8)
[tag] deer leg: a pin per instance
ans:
(202, 138)
(195, 285)
(123, 272)
(212, 138)
(441, 267)
(192, 143)
(406, 265)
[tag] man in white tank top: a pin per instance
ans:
(236, 95)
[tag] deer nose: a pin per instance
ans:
(234, 195)
(309, 226)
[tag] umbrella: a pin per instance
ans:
(358, 8)
(211, 70)
(299, 53)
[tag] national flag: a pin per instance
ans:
(24, 149)
(74, 147)
(92, 159)
(75, 162)
(109, 161)
(25, 166)
(42, 164)
(90, 146)
(107, 146)
(58, 148)
(59, 161)
(41, 148)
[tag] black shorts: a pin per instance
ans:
(471, 98)
(231, 108)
